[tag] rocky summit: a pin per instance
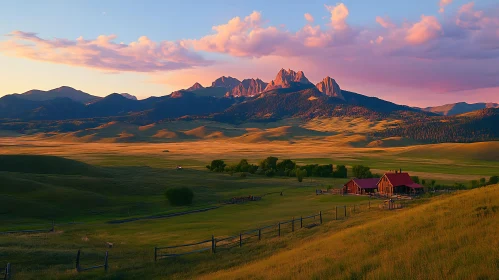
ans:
(330, 87)
(288, 78)
(248, 87)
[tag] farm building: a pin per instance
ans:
(361, 186)
(398, 183)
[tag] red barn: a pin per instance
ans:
(398, 183)
(361, 186)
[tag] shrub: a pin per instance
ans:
(179, 196)
(243, 175)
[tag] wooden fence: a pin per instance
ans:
(229, 242)
(226, 243)
(81, 269)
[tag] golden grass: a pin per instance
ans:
(451, 238)
(478, 151)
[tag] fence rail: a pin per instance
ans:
(230, 241)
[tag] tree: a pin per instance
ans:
(243, 166)
(217, 165)
(269, 172)
(482, 182)
(340, 172)
(415, 179)
(475, 184)
(285, 164)
(299, 174)
(423, 182)
(269, 163)
(252, 168)
(179, 196)
(361, 172)
(494, 180)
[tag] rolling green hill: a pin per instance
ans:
(46, 165)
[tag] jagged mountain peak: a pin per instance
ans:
(248, 87)
(195, 86)
(330, 87)
(226, 82)
(288, 78)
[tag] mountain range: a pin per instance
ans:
(229, 100)
(459, 108)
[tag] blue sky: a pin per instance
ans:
(192, 20)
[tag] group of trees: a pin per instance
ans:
(271, 166)
(483, 182)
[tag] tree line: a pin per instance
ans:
(271, 166)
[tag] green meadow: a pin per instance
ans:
(98, 184)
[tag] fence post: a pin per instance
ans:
(78, 260)
(301, 222)
(354, 208)
(279, 229)
(320, 216)
(53, 227)
(259, 234)
(345, 207)
(293, 225)
(369, 204)
(213, 244)
(106, 266)
(155, 253)
(336, 212)
(7, 272)
(240, 240)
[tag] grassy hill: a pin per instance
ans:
(451, 238)
(46, 165)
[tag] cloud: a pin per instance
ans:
(103, 53)
(385, 22)
(423, 31)
(442, 4)
(339, 14)
(378, 40)
(468, 18)
(309, 17)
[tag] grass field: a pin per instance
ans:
(107, 181)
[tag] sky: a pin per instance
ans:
(419, 53)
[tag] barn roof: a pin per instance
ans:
(371, 183)
(415, 186)
(399, 179)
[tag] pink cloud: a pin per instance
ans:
(423, 31)
(443, 4)
(309, 17)
(102, 53)
(339, 14)
(385, 22)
